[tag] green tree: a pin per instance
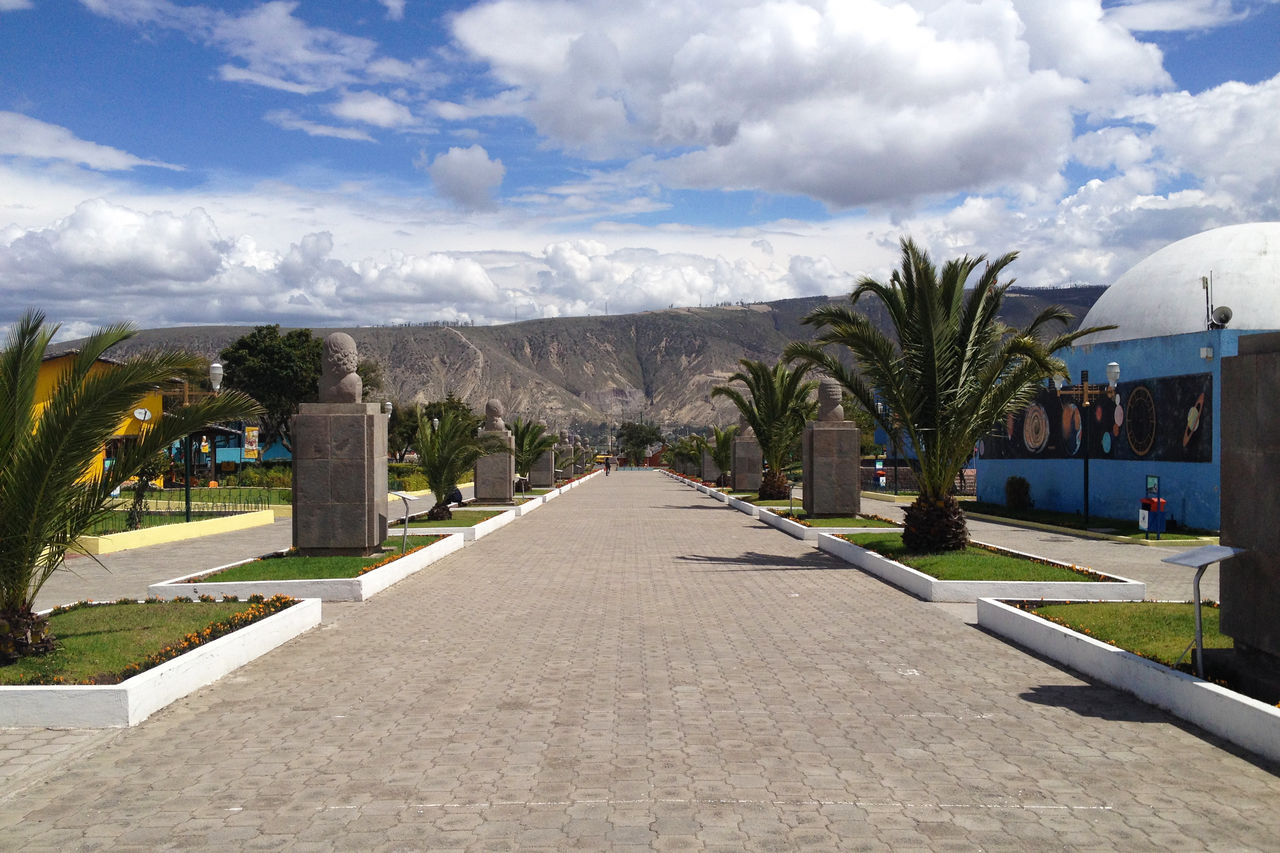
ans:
(460, 409)
(402, 428)
(447, 450)
(279, 372)
(532, 441)
(719, 446)
(779, 404)
(635, 437)
(50, 490)
(950, 371)
(685, 454)
(150, 470)
(373, 379)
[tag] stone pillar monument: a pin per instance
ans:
(496, 473)
(710, 470)
(339, 462)
(1249, 585)
(830, 452)
(542, 474)
(748, 461)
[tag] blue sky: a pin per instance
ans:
(390, 161)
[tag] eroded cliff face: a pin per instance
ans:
(658, 365)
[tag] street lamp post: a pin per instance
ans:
(1087, 394)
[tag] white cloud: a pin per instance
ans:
(467, 176)
(372, 108)
(853, 103)
(1175, 15)
(23, 136)
(14, 5)
(289, 121)
(395, 9)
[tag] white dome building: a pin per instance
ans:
(1163, 295)
(1161, 425)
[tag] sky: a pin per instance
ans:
(367, 162)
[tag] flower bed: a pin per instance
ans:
(200, 661)
(1109, 588)
(1246, 722)
(359, 588)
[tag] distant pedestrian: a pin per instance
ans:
(608, 465)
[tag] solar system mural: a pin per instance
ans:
(1159, 420)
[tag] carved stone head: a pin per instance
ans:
(493, 412)
(829, 397)
(339, 382)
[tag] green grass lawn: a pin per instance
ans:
(843, 521)
(461, 518)
(292, 568)
(97, 643)
(971, 564)
(1073, 521)
(1156, 629)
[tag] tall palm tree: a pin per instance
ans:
(779, 404)
(50, 490)
(719, 446)
(447, 450)
(949, 373)
(684, 454)
(532, 441)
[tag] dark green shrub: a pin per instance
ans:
(1017, 493)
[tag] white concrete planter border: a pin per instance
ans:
(326, 589)
(133, 700)
(811, 534)
(1245, 722)
(930, 588)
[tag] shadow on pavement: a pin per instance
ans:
(1095, 700)
(753, 561)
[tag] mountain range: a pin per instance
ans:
(655, 365)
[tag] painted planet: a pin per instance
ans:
(1106, 442)
(1115, 430)
(1193, 420)
(1071, 428)
(1035, 428)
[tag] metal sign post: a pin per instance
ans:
(1201, 559)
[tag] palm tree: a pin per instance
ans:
(720, 448)
(51, 491)
(951, 371)
(778, 407)
(532, 441)
(448, 447)
(684, 454)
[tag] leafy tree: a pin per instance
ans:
(719, 446)
(150, 470)
(532, 441)
(778, 406)
(50, 490)
(402, 428)
(373, 378)
(279, 372)
(950, 372)
(447, 451)
(437, 408)
(685, 453)
(635, 437)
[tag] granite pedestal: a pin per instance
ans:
(831, 462)
(339, 478)
(748, 464)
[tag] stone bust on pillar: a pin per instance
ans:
(830, 449)
(339, 462)
(496, 473)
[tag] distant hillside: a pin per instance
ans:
(659, 365)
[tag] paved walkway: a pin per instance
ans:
(635, 667)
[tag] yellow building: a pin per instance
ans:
(149, 409)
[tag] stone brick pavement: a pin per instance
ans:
(634, 667)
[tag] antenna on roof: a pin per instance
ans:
(1214, 318)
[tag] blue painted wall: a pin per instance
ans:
(1115, 486)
